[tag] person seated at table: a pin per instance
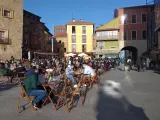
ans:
(69, 74)
(6, 72)
(31, 86)
(88, 71)
(41, 77)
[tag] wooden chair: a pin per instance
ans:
(65, 96)
(82, 88)
(24, 94)
(95, 80)
(53, 89)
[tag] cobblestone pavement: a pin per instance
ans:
(139, 99)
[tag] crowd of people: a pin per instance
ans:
(51, 69)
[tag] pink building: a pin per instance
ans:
(133, 30)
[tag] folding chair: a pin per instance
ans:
(95, 80)
(24, 94)
(84, 89)
(65, 97)
(53, 88)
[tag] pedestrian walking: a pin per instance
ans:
(138, 64)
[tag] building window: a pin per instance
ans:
(3, 36)
(144, 18)
(134, 19)
(64, 49)
(8, 13)
(84, 29)
(125, 18)
(73, 38)
(144, 35)
(58, 50)
(73, 29)
(73, 48)
(83, 48)
(134, 35)
(97, 34)
(101, 45)
(83, 38)
(58, 30)
(125, 35)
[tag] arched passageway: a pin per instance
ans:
(130, 51)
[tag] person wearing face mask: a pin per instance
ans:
(69, 74)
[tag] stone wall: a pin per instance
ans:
(14, 27)
(141, 45)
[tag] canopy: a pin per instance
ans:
(112, 55)
(70, 54)
(43, 53)
(82, 55)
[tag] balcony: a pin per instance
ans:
(5, 41)
(110, 37)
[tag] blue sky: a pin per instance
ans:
(58, 12)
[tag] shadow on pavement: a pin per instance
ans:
(6, 86)
(117, 107)
(157, 71)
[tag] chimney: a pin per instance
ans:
(73, 20)
(81, 20)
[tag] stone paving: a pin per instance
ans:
(140, 100)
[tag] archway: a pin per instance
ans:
(130, 51)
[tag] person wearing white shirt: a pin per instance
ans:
(88, 70)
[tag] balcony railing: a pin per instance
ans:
(110, 37)
(5, 41)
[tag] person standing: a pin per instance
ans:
(138, 64)
(148, 62)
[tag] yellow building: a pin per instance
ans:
(80, 36)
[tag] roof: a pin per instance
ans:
(80, 23)
(113, 24)
(59, 27)
(47, 30)
(25, 11)
(141, 6)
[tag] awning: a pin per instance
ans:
(42, 53)
(112, 55)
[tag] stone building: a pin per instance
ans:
(35, 34)
(11, 28)
(60, 39)
(47, 42)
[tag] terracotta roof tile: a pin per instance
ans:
(60, 27)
